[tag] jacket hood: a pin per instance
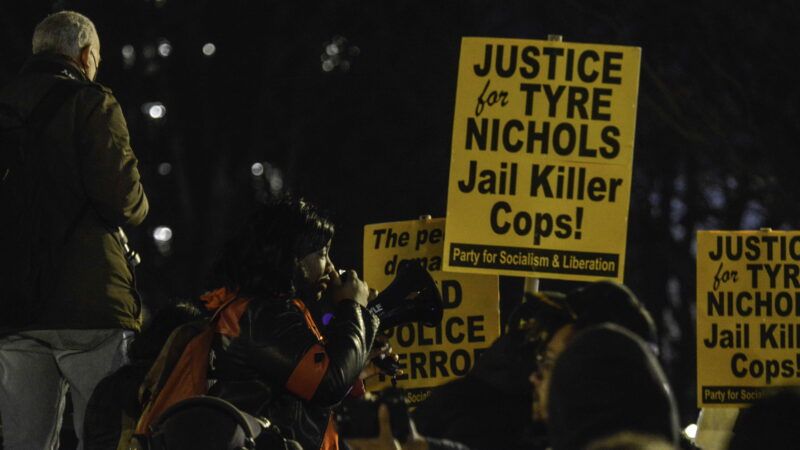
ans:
(606, 381)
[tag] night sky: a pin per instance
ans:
(369, 139)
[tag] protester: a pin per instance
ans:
(71, 193)
(273, 361)
(596, 303)
(606, 381)
(491, 407)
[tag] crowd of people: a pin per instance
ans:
(252, 363)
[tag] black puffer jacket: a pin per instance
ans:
(278, 368)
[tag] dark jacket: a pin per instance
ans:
(92, 181)
(489, 408)
(608, 381)
(279, 369)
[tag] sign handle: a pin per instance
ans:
(532, 284)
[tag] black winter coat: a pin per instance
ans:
(279, 369)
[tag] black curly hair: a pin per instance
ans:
(261, 260)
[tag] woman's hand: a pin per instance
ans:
(349, 286)
(380, 350)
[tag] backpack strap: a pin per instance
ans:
(21, 189)
(310, 323)
(40, 117)
(312, 367)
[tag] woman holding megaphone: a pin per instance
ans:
(269, 357)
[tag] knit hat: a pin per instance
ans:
(606, 381)
(610, 302)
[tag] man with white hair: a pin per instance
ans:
(68, 305)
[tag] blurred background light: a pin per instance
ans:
(162, 234)
(164, 168)
(209, 49)
(337, 53)
(128, 56)
(154, 110)
(267, 180)
(157, 111)
(332, 49)
(128, 52)
(275, 181)
(164, 48)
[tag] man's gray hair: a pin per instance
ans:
(65, 33)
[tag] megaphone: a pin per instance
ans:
(411, 297)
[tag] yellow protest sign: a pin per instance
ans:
(432, 356)
(542, 151)
(748, 304)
